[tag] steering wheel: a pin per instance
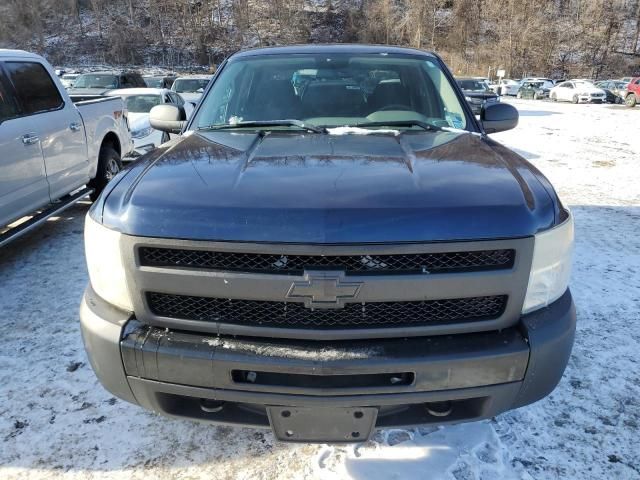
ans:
(395, 106)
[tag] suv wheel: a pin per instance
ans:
(109, 164)
(631, 100)
(575, 99)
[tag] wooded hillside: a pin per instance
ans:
(575, 38)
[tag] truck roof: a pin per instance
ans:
(5, 52)
(331, 48)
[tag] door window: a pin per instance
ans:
(35, 91)
(8, 107)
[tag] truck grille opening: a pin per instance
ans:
(411, 263)
(353, 315)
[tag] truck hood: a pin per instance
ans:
(320, 188)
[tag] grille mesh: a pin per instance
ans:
(353, 315)
(466, 261)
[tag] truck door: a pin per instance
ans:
(23, 181)
(57, 123)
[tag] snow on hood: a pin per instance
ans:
(360, 131)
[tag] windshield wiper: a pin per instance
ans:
(266, 123)
(401, 123)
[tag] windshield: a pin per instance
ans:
(332, 90)
(141, 103)
(472, 85)
(153, 82)
(190, 85)
(93, 80)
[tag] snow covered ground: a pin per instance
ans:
(57, 421)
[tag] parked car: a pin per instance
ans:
(577, 91)
(626, 79)
(535, 89)
(139, 102)
(191, 88)
(52, 144)
(99, 83)
(632, 95)
(476, 93)
(333, 262)
(615, 90)
(159, 81)
(505, 87)
(537, 79)
(68, 79)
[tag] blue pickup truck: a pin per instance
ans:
(331, 245)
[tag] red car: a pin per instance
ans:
(633, 92)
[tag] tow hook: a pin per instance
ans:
(439, 409)
(211, 406)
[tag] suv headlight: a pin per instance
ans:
(104, 262)
(143, 132)
(551, 266)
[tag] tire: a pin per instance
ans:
(109, 164)
(554, 98)
(575, 99)
(631, 100)
(618, 100)
(535, 96)
(518, 95)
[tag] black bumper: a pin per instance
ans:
(477, 375)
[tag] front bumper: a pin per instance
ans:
(478, 375)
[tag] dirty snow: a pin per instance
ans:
(57, 422)
(275, 350)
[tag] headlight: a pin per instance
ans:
(104, 262)
(551, 266)
(143, 132)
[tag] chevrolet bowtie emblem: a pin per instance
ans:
(321, 289)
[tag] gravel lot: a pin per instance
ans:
(57, 421)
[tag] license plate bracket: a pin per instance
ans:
(322, 424)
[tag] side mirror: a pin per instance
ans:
(497, 117)
(168, 118)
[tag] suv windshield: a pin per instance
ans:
(142, 103)
(93, 80)
(190, 85)
(332, 90)
(473, 85)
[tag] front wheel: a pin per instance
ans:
(554, 98)
(109, 164)
(575, 99)
(518, 95)
(631, 100)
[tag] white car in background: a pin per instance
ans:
(505, 87)
(139, 102)
(191, 87)
(577, 91)
(68, 79)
